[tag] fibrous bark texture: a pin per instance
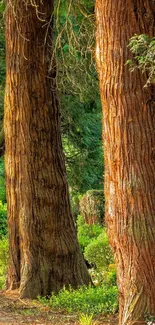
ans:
(129, 150)
(44, 253)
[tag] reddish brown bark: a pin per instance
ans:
(44, 252)
(129, 149)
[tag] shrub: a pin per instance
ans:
(86, 232)
(110, 276)
(98, 252)
(92, 207)
(89, 300)
(3, 260)
(2, 181)
(105, 277)
(3, 219)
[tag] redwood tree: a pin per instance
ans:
(44, 254)
(129, 149)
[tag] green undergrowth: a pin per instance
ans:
(3, 220)
(88, 300)
(3, 260)
(91, 300)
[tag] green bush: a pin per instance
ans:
(2, 181)
(92, 207)
(90, 300)
(98, 252)
(3, 219)
(86, 232)
(3, 260)
(105, 277)
(110, 275)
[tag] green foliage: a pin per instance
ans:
(99, 252)
(2, 56)
(2, 8)
(106, 276)
(79, 97)
(143, 48)
(88, 300)
(110, 275)
(86, 232)
(3, 219)
(85, 319)
(92, 206)
(2, 181)
(150, 319)
(82, 142)
(3, 206)
(75, 199)
(74, 30)
(94, 244)
(3, 260)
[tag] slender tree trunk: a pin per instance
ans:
(44, 252)
(129, 148)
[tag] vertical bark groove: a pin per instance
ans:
(41, 227)
(129, 144)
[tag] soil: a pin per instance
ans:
(14, 310)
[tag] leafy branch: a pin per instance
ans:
(143, 48)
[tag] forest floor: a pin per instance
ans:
(14, 310)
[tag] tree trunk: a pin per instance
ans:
(129, 149)
(44, 253)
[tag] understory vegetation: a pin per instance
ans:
(3, 260)
(87, 300)
(100, 298)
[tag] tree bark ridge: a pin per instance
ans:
(129, 146)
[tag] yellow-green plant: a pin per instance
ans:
(86, 319)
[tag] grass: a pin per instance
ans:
(87, 300)
(85, 319)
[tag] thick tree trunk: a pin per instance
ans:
(44, 252)
(129, 149)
